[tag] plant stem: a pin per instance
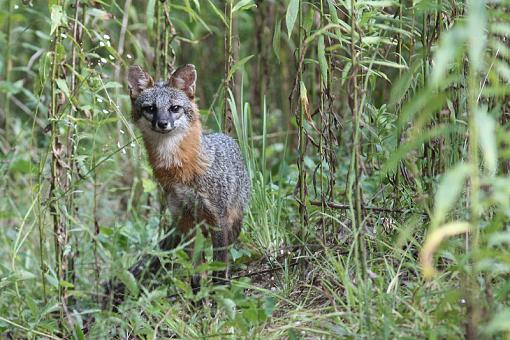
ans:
(8, 67)
(59, 230)
(302, 141)
(229, 61)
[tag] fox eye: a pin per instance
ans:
(149, 109)
(174, 108)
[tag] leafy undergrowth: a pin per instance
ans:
(375, 134)
(281, 286)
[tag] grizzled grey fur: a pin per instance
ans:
(224, 186)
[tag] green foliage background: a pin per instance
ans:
(375, 133)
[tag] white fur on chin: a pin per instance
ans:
(164, 145)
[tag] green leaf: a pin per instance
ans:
(402, 85)
(25, 275)
(112, 85)
(450, 47)
(218, 12)
(66, 284)
(79, 333)
(182, 286)
(62, 85)
(243, 5)
(106, 231)
(323, 63)
(291, 15)
(229, 306)
(237, 66)
(383, 63)
(99, 13)
(238, 253)
(414, 143)
(292, 334)
(308, 17)
(21, 166)
(500, 322)
(52, 280)
(499, 238)
(477, 26)
(487, 139)
(448, 192)
(268, 305)
(127, 278)
(198, 247)
(378, 4)
(500, 28)
(212, 266)
(10, 87)
(57, 18)
(276, 39)
(503, 70)
(148, 185)
(151, 6)
(421, 106)
(333, 13)
(235, 254)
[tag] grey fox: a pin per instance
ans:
(203, 175)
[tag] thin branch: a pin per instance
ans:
(335, 205)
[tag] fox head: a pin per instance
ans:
(165, 107)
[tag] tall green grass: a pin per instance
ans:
(375, 134)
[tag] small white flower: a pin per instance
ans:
(128, 56)
(99, 100)
(103, 60)
(111, 57)
(63, 35)
(105, 111)
(101, 44)
(106, 36)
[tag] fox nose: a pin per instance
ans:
(163, 124)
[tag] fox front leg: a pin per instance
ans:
(220, 253)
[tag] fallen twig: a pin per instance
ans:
(335, 205)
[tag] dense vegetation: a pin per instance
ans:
(375, 133)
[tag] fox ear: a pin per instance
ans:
(138, 80)
(184, 78)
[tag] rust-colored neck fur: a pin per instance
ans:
(180, 161)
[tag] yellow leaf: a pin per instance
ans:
(433, 241)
